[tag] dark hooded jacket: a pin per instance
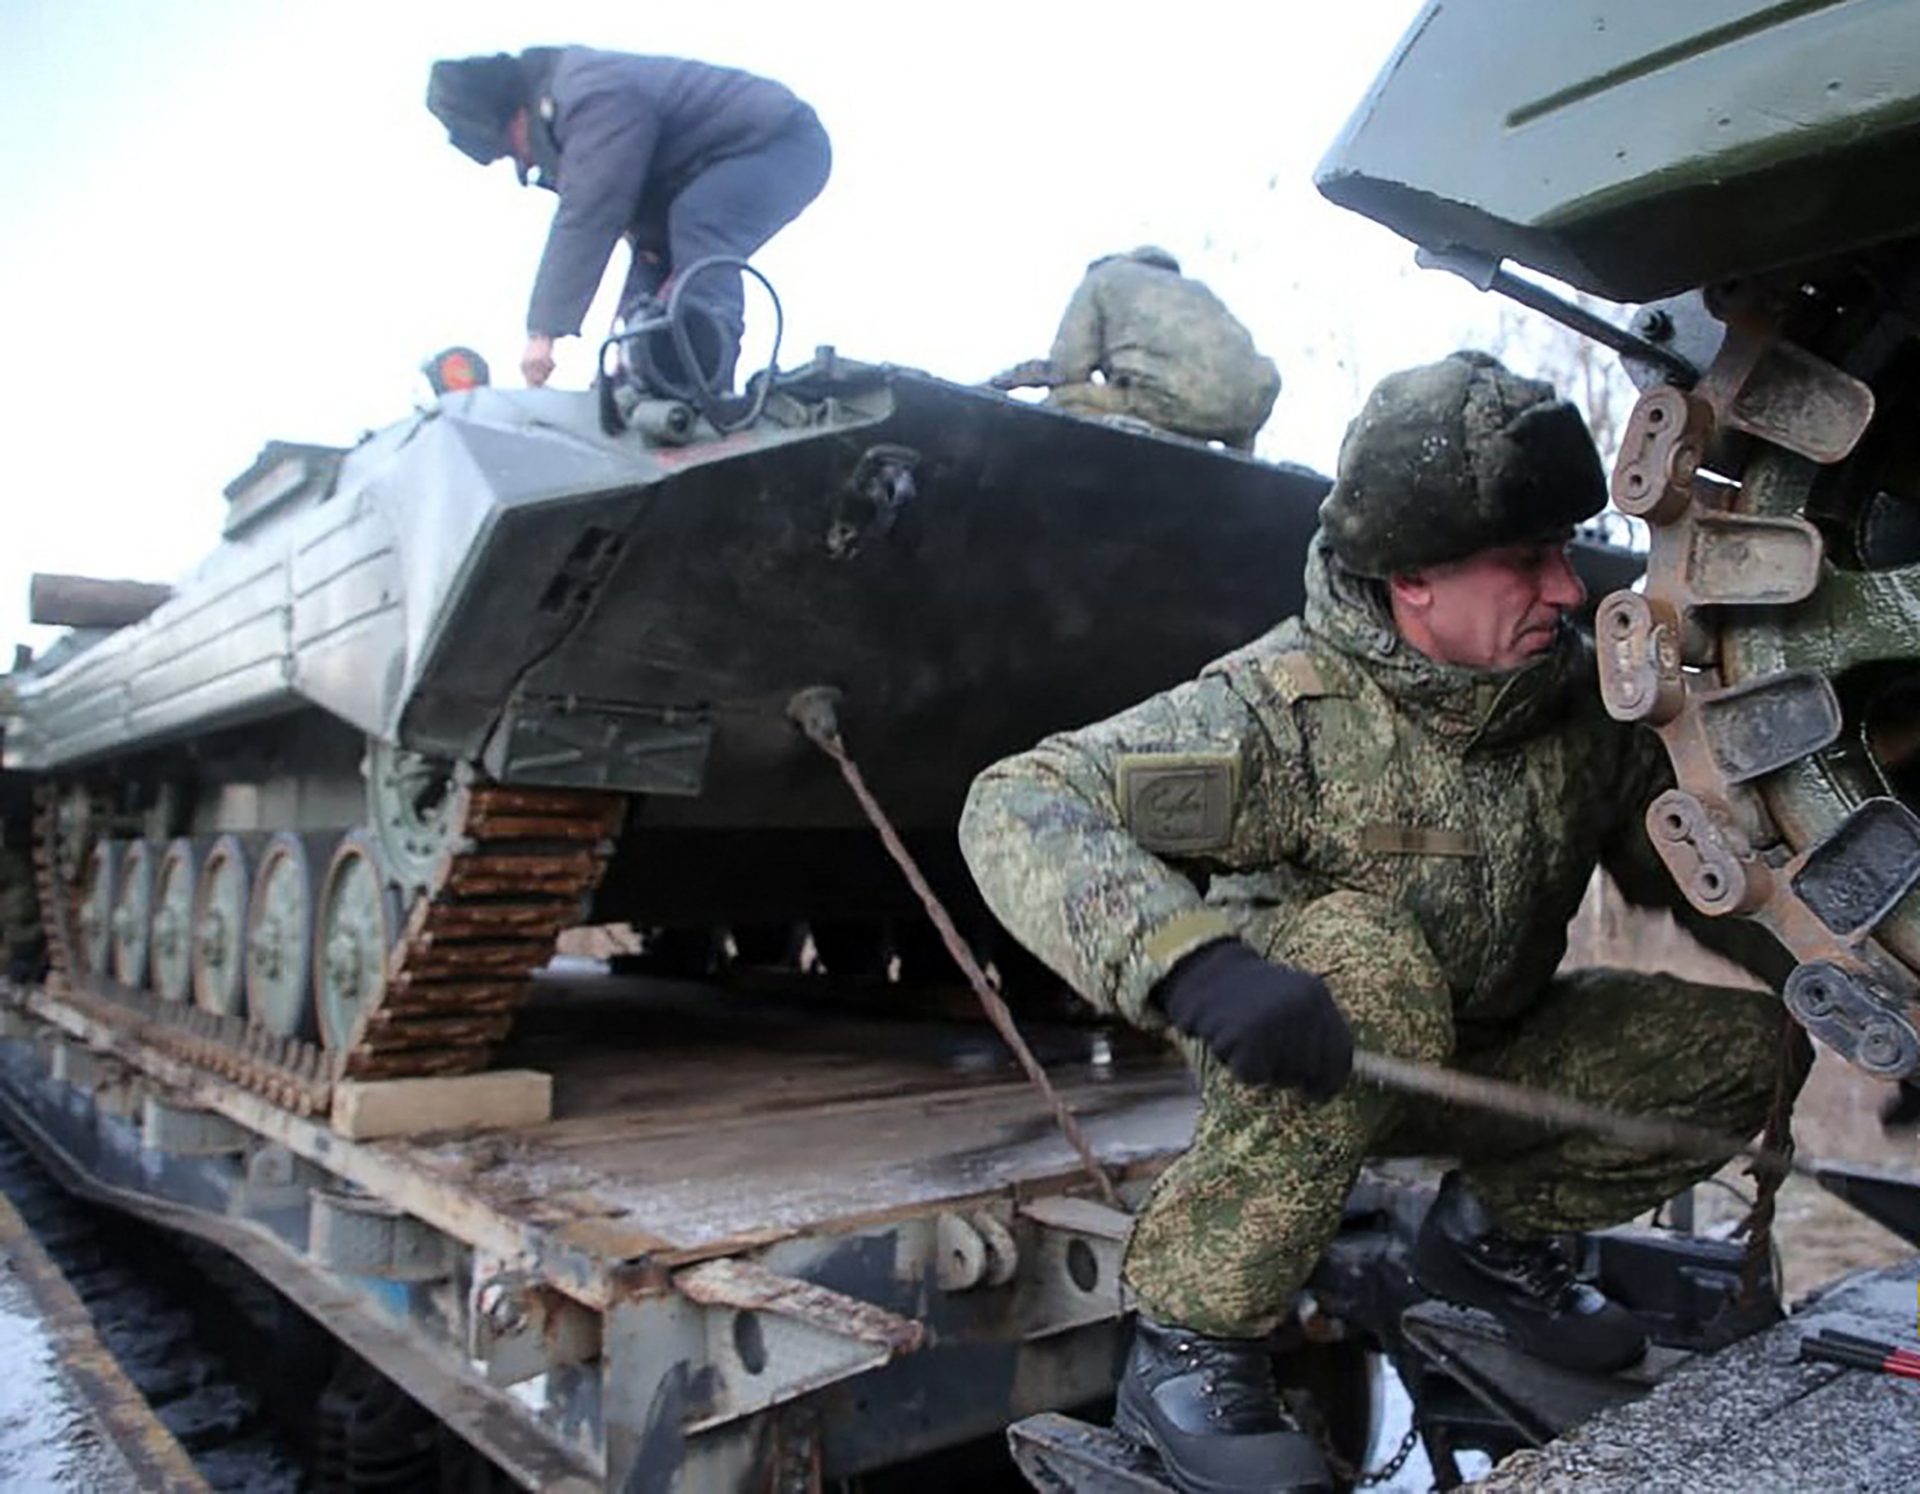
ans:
(618, 136)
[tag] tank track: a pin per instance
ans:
(1737, 650)
(517, 871)
(522, 863)
(51, 890)
(292, 1073)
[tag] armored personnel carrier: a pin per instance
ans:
(518, 662)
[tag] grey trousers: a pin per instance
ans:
(732, 208)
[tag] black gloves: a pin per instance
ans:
(1269, 1024)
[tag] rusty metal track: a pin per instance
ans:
(517, 872)
(1718, 560)
(520, 867)
(295, 1074)
(52, 890)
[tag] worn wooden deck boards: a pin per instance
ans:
(1754, 1418)
(701, 1121)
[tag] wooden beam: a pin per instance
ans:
(364, 1109)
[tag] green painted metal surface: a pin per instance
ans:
(1639, 147)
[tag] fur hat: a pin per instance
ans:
(1454, 457)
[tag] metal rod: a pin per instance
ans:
(813, 711)
(1484, 272)
(1869, 1345)
(1832, 1353)
(1649, 1133)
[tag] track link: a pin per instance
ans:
(521, 865)
(51, 888)
(518, 871)
(1737, 653)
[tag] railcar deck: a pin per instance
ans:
(746, 1216)
(704, 1125)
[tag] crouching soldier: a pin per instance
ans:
(1371, 826)
(1166, 349)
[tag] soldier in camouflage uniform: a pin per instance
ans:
(1170, 353)
(1372, 825)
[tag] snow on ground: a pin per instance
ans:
(48, 1440)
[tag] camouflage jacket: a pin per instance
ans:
(1142, 325)
(1325, 755)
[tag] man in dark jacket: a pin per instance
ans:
(683, 159)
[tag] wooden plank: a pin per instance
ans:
(367, 1108)
(394, 1172)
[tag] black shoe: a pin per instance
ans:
(1210, 1409)
(1528, 1284)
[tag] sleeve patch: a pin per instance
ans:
(1179, 803)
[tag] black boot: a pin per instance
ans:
(1527, 1283)
(1209, 1407)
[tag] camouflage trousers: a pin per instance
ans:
(1145, 402)
(1236, 1224)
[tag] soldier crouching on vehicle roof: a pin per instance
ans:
(684, 159)
(1399, 798)
(1169, 351)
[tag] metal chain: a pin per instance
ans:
(1790, 1066)
(1393, 1464)
(1342, 1469)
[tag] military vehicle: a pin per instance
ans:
(521, 661)
(308, 822)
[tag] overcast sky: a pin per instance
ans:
(233, 220)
